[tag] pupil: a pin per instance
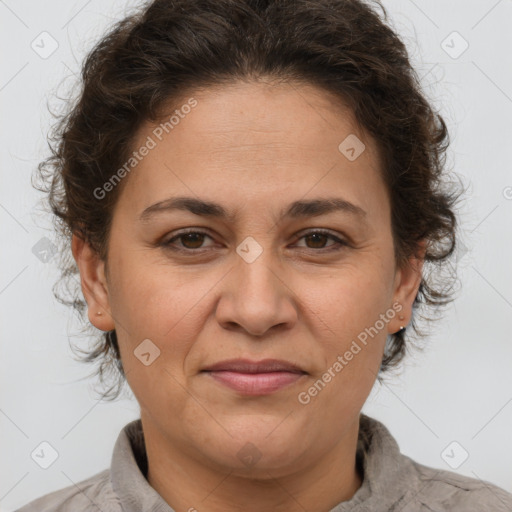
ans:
(197, 236)
(316, 235)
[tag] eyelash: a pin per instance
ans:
(339, 242)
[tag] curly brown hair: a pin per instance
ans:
(166, 48)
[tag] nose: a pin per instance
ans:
(257, 297)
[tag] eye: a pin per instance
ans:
(192, 241)
(318, 237)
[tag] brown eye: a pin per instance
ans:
(189, 241)
(192, 240)
(317, 240)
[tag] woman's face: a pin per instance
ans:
(258, 282)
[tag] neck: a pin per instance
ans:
(187, 484)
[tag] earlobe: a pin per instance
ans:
(94, 283)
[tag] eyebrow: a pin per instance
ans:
(297, 209)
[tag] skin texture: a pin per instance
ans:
(254, 148)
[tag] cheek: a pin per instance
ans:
(163, 308)
(151, 297)
(351, 337)
(348, 303)
(159, 303)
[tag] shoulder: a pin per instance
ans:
(397, 482)
(441, 490)
(91, 494)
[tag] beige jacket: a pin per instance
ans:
(392, 482)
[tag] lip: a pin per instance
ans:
(255, 377)
(248, 366)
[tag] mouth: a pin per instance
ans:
(255, 377)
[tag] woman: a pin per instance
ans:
(253, 193)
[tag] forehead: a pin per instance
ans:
(254, 140)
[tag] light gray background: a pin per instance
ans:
(459, 389)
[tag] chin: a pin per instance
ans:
(256, 451)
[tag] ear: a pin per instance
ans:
(407, 283)
(94, 283)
